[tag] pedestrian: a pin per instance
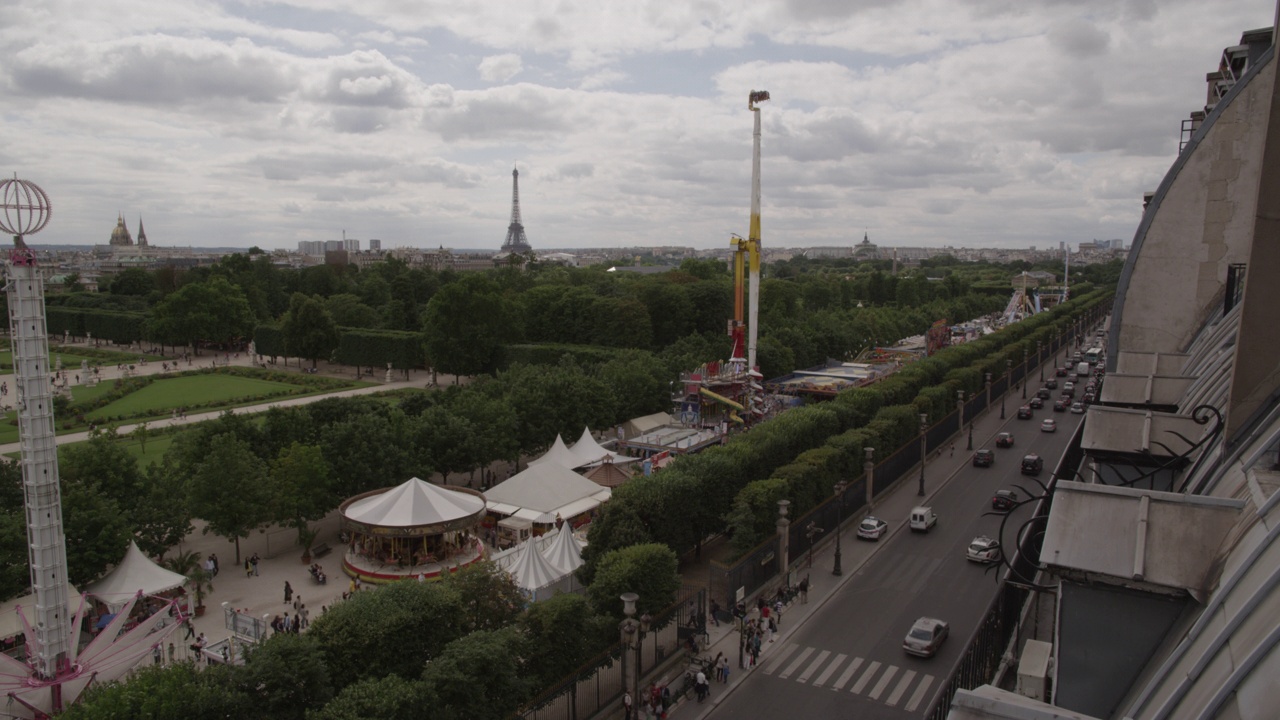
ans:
(724, 670)
(626, 705)
(254, 559)
(953, 449)
(213, 558)
(804, 590)
(306, 616)
(157, 654)
(297, 602)
(715, 611)
(191, 631)
(248, 568)
(286, 624)
(288, 592)
(172, 651)
(700, 682)
(766, 627)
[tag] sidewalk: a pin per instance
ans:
(896, 503)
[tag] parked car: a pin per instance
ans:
(1036, 402)
(1004, 440)
(1049, 425)
(983, 549)
(1060, 405)
(1051, 383)
(1032, 464)
(1024, 412)
(1004, 500)
(1088, 399)
(871, 528)
(1077, 408)
(925, 637)
(984, 458)
(922, 519)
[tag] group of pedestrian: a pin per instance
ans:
(251, 565)
(289, 623)
(211, 565)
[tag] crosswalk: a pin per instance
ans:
(877, 681)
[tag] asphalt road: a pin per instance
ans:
(847, 659)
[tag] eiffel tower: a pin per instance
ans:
(516, 242)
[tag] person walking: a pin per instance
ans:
(703, 688)
(213, 558)
(254, 559)
(627, 708)
(248, 568)
(724, 670)
(804, 590)
(288, 592)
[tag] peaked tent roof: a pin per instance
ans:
(532, 571)
(591, 452)
(136, 572)
(543, 490)
(560, 454)
(565, 553)
(414, 503)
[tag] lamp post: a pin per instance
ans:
(1024, 372)
(628, 629)
(1040, 359)
(924, 425)
(840, 488)
(988, 381)
(960, 409)
(1008, 373)
(868, 471)
(811, 531)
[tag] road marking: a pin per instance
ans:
(786, 652)
(918, 695)
(848, 673)
(813, 667)
(866, 678)
(822, 679)
(883, 682)
(896, 695)
(792, 667)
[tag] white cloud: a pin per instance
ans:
(500, 68)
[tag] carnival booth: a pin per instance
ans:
(546, 493)
(412, 530)
(137, 574)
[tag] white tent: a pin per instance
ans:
(589, 452)
(534, 574)
(545, 490)
(11, 624)
(135, 573)
(559, 454)
(646, 424)
(414, 503)
(565, 553)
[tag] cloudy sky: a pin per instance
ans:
(925, 122)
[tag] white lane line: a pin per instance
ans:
(786, 652)
(795, 664)
(813, 667)
(822, 679)
(884, 682)
(848, 673)
(918, 695)
(896, 695)
(866, 678)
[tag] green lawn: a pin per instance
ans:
(198, 393)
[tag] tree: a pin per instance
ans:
(490, 598)
(347, 310)
(495, 655)
(309, 331)
(466, 326)
(388, 698)
(96, 526)
(566, 632)
(176, 691)
(187, 563)
(651, 571)
(133, 281)
(287, 676)
(141, 433)
(162, 517)
(302, 491)
(214, 311)
(229, 490)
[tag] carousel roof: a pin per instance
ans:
(136, 572)
(565, 553)
(413, 504)
(532, 571)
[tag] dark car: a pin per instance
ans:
(1051, 383)
(1032, 464)
(1044, 393)
(1088, 399)
(1004, 500)
(1024, 412)
(983, 458)
(1060, 405)
(1060, 372)
(1036, 403)
(1004, 440)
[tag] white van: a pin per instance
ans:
(922, 518)
(1082, 370)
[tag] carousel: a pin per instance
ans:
(414, 530)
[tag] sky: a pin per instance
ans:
(969, 123)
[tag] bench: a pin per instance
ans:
(321, 550)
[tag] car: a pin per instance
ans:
(1044, 393)
(1004, 500)
(1060, 372)
(871, 528)
(1049, 425)
(983, 549)
(1060, 405)
(1077, 408)
(1004, 440)
(1088, 399)
(1036, 403)
(983, 458)
(1024, 412)
(1051, 383)
(925, 637)
(1068, 388)
(922, 519)
(1032, 464)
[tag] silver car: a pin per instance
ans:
(983, 549)
(926, 637)
(871, 528)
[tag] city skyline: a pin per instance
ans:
(928, 123)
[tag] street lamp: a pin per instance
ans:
(960, 409)
(1024, 372)
(811, 531)
(868, 471)
(1040, 359)
(1008, 373)
(628, 628)
(840, 488)
(988, 381)
(924, 425)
